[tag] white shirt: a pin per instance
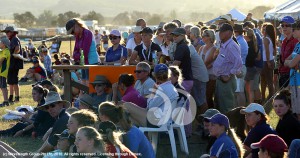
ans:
(131, 44)
(271, 49)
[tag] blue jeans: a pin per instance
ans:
(294, 151)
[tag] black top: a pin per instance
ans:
(43, 121)
(288, 128)
(144, 54)
(59, 126)
(250, 59)
(15, 63)
(182, 54)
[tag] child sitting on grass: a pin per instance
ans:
(4, 65)
(37, 72)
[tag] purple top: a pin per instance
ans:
(229, 60)
(83, 43)
(132, 95)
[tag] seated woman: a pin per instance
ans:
(36, 73)
(256, 118)
(100, 84)
(54, 47)
(271, 146)
(38, 122)
(227, 143)
(116, 54)
(79, 119)
(47, 62)
(133, 138)
(288, 127)
(159, 104)
(112, 142)
(88, 140)
(147, 51)
(126, 84)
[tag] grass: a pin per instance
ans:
(27, 144)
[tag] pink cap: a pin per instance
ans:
(115, 33)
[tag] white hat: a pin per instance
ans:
(137, 29)
(115, 33)
(253, 107)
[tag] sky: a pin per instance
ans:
(113, 7)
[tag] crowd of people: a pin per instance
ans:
(225, 67)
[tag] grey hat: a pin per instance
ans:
(209, 113)
(51, 98)
(100, 79)
(6, 42)
(9, 29)
(179, 31)
(87, 100)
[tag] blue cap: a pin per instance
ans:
(160, 68)
(220, 119)
(287, 19)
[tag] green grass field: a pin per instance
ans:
(27, 144)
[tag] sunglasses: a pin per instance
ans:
(286, 25)
(48, 107)
(99, 85)
(139, 71)
(113, 37)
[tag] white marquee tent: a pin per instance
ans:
(291, 8)
(236, 14)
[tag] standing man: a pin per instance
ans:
(182, 58)
(228, 63)
(139, 22)
(287, 48)
(98, 39)
(15, 63)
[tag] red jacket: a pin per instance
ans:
(287, 48)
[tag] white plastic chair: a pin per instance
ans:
(168, 127)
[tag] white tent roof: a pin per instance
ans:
(291, 7)
(236, 14)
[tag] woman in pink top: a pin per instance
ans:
(126, 84)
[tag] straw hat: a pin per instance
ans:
(54, 97)
(100, 79)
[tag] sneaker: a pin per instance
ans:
(5, 103)
(10, 99)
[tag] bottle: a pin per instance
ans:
(81, 57)
(154, 58)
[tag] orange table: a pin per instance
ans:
(111, 72)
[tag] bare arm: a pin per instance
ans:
(266, 46)
(292, 63)
(133, 58)
(1, 60)
(46, 147)
(210, 58)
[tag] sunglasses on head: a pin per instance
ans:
(113, 37)
(48, 106)
(286, 25)
(138, 71)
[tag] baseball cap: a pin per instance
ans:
(35, 61)
(9, 29)
(287, 19)
(220, 119)
(6, 42)
(271, 142)
(70, 26)
(65, 135)
(179, 31)
(147, 30)
(226, 27)
(253, 107)
(209, 113)
(115, 33)
(160, 68)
